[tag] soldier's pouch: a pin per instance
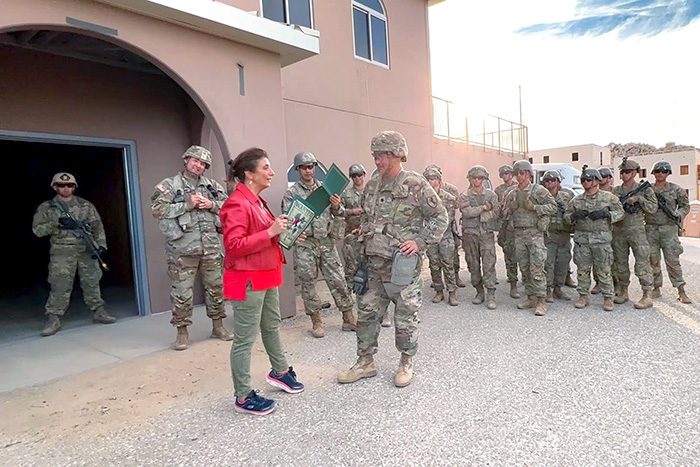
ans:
(185, 220)
(403, 269)
(171, 229)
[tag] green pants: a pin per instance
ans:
(63, 264)
(259, 312)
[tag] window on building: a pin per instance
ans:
(530, 160)
(698, 172)
(684, 170)
(371, 38)
(601, 158)
(289, 11)
(574, 156)
(643, 173)
(687, 192)
(545, 159)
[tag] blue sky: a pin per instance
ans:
(591, 71)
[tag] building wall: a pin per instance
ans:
(588, 154)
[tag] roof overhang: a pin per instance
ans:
(292, 43)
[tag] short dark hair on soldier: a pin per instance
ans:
(245, 161)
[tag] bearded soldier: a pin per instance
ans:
(506, 234)
(187, 207)
(402, 215)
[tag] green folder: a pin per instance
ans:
(334, 184)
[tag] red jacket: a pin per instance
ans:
(245, 219)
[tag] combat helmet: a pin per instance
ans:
(199, 153)
(522, 165)
(304, 158)
(505, 169)
(431, 172)
(605, 172)
(551, 175)
(436, 167)
(356, 169)
(478, 171)
(590, 174)
(64, 177)
(390, 141)
(628, 164)
(661, 165)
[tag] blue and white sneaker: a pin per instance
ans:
(255, 404)
(286, 382)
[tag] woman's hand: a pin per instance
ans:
(278, 226)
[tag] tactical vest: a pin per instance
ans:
(523, 218)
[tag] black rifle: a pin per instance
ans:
(634, 208)
(663, 205)
(84, 232)
(361, 278)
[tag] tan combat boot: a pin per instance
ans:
(218, 331)
(623, 296)
(439, 297)
(349, 322)
(182, 341)
(541, 309)
(364, 368)
(550, 297)
(582, 301)
(596, 289)
(101, 316)
(52, 326)
(459, 282)
(656, 293)
(514, 290)
(491, 299)
(570, 282)
(608, 304)
(317, 326)
(386, 322)
(645, 302)
(452, 299)
(558, 293)
(479, 297)
(682, 296)
(404, 375)
(531, 302)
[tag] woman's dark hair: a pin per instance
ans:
(245, 161)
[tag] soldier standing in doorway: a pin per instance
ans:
(506, 234)
(663, 227)
(187, 207)
(65, 218)
(318, 251)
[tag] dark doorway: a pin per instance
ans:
(101, 180)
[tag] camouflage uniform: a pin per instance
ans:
(478, 226)
(506, 237)
(558, 241)
(662, 234)
(440, 255)
(630, 233)
(318, 252)
(193, 242)
(592, 237)
(529, 210)
(69, 253)
(454, 191)
(351, 199)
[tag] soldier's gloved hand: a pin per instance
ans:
(530, 205)
(67, 223)
(581, 214)
(102, 250)
(602, 214)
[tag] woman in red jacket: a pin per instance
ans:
(252, 275)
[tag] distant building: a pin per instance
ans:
(685, 166)
(591, 155)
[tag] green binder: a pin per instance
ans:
(334, 184)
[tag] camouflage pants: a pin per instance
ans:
(506, 239)
(531, 254)
(621, 245)
(558, 258)
(182, 271)
(441, 260)
(455, 257)
(63, 263)
(665, 238)
(480, 253)
(598, 258)
(373, 305)
(351, 252)
(312, 255)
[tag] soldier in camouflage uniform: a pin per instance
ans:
(506, 234)
(604, 185)
(480, 213)
(558, 240)
(440, 255)
(351, 199)
(662, 231)
(187, 208)
(69, 252)
(319, 250)
(454, 191)
(630, 233)
(529, 208)
(592, 214)
(402, 215)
